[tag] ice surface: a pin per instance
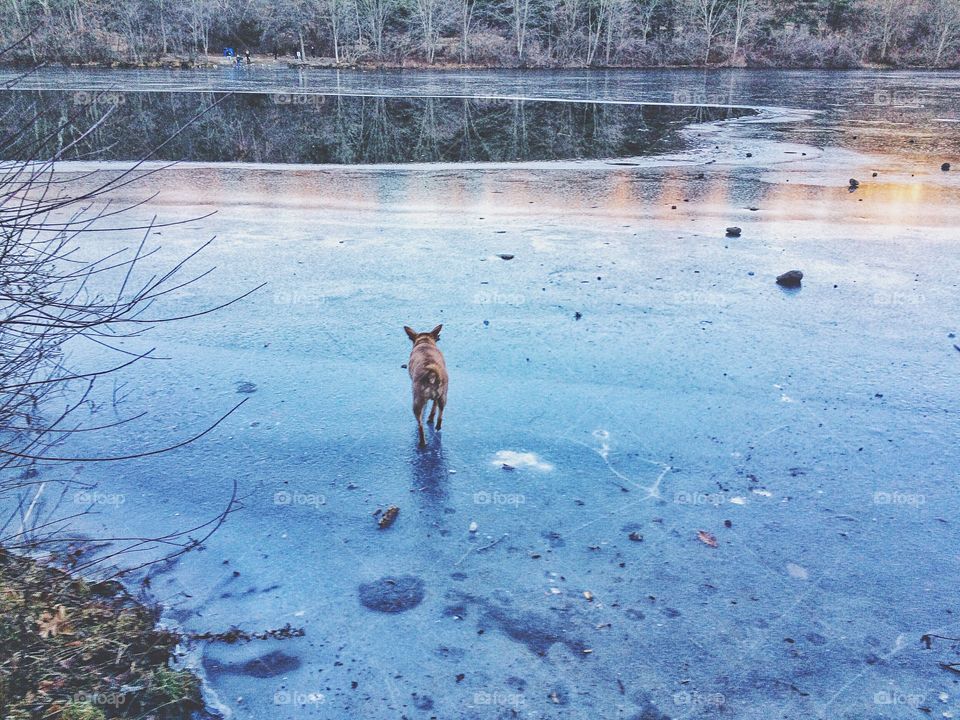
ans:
(650, 362)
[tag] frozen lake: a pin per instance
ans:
(627, 389)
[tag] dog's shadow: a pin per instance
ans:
(430, 473)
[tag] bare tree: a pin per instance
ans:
(373, 14)
(888, 16)
(430, 16)
(945, 21)
(465, 9)
(55, 292)
(201, 15)
(598, 22)
(521, 18)
(709, 16)
(745, 15)
(338, 14)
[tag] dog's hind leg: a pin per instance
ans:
(440, 414)
(418, 413)
(433, 411)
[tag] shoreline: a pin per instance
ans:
(66, 638)
(211, 62)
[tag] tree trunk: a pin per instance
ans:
(163, 29)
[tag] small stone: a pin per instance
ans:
(854, 183)
(473, 527)
(733, 232)
(945, 167)
(635, 536)
(790, 279)
(505, 256)
(588, 595)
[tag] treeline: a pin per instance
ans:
(499, 33)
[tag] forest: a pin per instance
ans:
(490, 33)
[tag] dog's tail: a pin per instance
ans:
(432, 374)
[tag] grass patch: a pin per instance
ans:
(77, 650)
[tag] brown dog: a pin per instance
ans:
(428, 372)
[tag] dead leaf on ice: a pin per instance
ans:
(706, 538)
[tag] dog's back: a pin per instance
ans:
(428, 372)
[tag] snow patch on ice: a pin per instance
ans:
(520, 460)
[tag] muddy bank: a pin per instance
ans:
(78, 650)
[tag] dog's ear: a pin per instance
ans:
(435, 333)
(411, 333)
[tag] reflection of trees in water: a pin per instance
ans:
(349, 130)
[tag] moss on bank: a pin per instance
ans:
(76, 650)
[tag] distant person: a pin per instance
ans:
(239, 61)
(246, 55)
(276, 52)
